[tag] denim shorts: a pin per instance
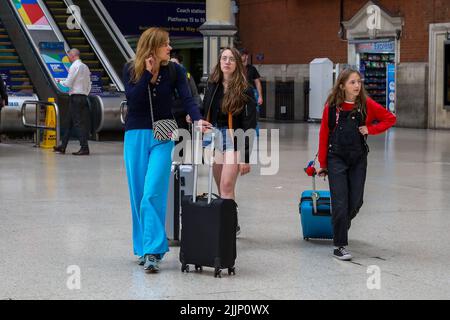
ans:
(224, 141)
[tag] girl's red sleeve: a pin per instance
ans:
(323, 139)
(385, 119)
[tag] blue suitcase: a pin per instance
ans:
(316, 218)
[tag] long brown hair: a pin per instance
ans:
(149, 42)
(235, 98)
(337, 95)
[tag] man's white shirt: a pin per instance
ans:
(79, 78)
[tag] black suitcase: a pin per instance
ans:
(180, 185)
(208, 233)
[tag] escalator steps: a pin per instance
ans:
(76, 39)
(13, 58)
(20, 79)
(54, 4)
(11, 65)
(22, 87)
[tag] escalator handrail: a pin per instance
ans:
(123, 111)
(113, 30)
(102, 112)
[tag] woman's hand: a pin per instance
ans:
(363, 130)
(150, 64)
(322, 172)
(244, 168)
(260, 100)
(204, 125)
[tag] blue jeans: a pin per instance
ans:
(223, 141)
(148, 162)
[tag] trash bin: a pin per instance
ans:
(284, 100)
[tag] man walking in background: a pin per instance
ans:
(79, 84)
(254, 80)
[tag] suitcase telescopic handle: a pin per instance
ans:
(314, 195)
(197, 148)
(196, 141)
(211, 163)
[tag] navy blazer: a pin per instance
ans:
(138, 103)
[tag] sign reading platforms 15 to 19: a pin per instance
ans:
(180, 19)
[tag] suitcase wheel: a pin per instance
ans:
(217, 273)
(231, 271)
(198, 268)
(184, 268)
(307, 239)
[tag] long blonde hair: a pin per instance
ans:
(235, 98)
(337, 95)
(149, 42)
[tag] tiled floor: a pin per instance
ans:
(58, 211)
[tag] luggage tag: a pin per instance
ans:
(311, 171)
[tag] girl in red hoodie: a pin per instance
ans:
(349, 116)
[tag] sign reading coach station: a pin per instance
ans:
(180, 19)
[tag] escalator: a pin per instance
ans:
(11, 67)
(18, 83)
(76, 39)
(105, 32)
(42, 43)
(99, 52)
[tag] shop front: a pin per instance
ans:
(374, 47)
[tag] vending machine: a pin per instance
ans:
(377, 65)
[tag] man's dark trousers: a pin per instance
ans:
(78, 109)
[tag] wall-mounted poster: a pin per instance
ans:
(32, 15)
(390, 87)
(96, 83)
(56, 60)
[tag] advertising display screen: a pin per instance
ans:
(32, 15)
(56, 60)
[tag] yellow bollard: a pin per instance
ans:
(50, 121)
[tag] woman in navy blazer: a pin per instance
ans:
(147, 160)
